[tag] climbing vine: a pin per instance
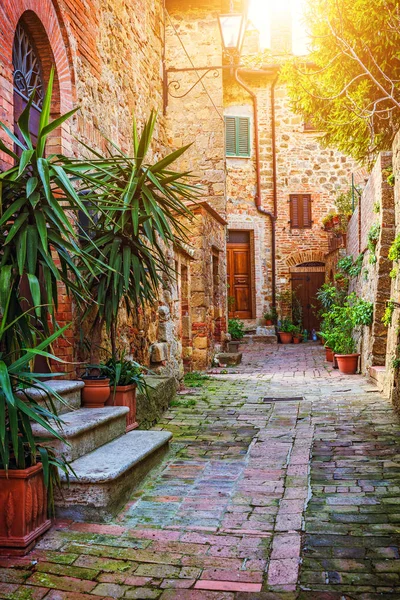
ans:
(394, 255)
(373, 237)
(388, 315)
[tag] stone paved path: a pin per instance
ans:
(260, 498)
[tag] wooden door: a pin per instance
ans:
(239, 275)
(306, 285)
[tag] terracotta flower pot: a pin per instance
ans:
(328, 354)
(296, 339)
(285, 337)
(23, 506)
(335, 220)
(268, 322)
(347, 363)
(125, 395)
(95, 393)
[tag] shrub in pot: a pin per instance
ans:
(270, 317)
(297, 335)
(126, 377)
(236, 330)
(345, 354)
(29, 469)
(286, 331)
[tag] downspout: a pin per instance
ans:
(258, 197)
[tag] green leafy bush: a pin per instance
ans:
(372, 240)
(236, 329)
(349, 266)
(388, 315)
(287, 326)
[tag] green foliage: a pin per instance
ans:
(271, 315)
(236, 329)
(348, 87)
(287, 326)
(344, 203)
(19, 448)
(349, 266)
(388, 314)
(373, 237)
(377, 207)
(124, 372)
(139, 208)
(39, 246)
(390, 176)
(195, 379)
(342, 314)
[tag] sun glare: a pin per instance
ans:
(260, 12)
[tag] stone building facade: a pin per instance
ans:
(108, 60)
(292, 161)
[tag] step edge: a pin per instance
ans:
(85, 427)
(93, 480)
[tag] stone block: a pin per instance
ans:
(159, 353)
(200, 343)
(230, 358)
(150, 406)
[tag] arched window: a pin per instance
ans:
(28, 79)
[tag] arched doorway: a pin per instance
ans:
(306, 279)
(28, 79)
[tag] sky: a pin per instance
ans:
(260, 11)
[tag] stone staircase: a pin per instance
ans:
(107, 462)
(260, 335)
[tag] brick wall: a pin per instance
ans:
(108, 62)
(373, 284)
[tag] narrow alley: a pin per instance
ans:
(282, 482)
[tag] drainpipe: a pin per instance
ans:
(258, 197)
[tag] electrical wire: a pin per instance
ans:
(191, 62)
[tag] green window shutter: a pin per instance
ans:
(237, 136)
(243, 136)
(230, 136)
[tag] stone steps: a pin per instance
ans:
(377, 375)
(86, 429)
(70, 391)
(259, 339)
(106, 477)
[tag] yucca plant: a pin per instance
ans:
(19, 449)
(139, 210)
(39, 241)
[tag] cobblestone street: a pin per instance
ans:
(282, 482)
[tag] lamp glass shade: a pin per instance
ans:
(232, 28)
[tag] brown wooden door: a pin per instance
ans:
(239, 280)
(306, 285)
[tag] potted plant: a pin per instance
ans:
(270, 317)
(346, 355)
(236, 330)
(286, 331)
(297, 335)
(29, 469)
(97, 387)
(126, 377)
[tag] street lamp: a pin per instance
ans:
(232, 28)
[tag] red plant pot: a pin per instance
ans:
(23, 509)
(328, 354)
(347, 363)
(296, 339)
(95, 393)
(286, 338)
(268, 322)
(125, 395)
(335, 220)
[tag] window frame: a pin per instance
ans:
(300, 211)
(237, 119)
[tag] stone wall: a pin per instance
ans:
(109, 59)
(392, 388)
(208, 290)
(374, 283)
(303, 166)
